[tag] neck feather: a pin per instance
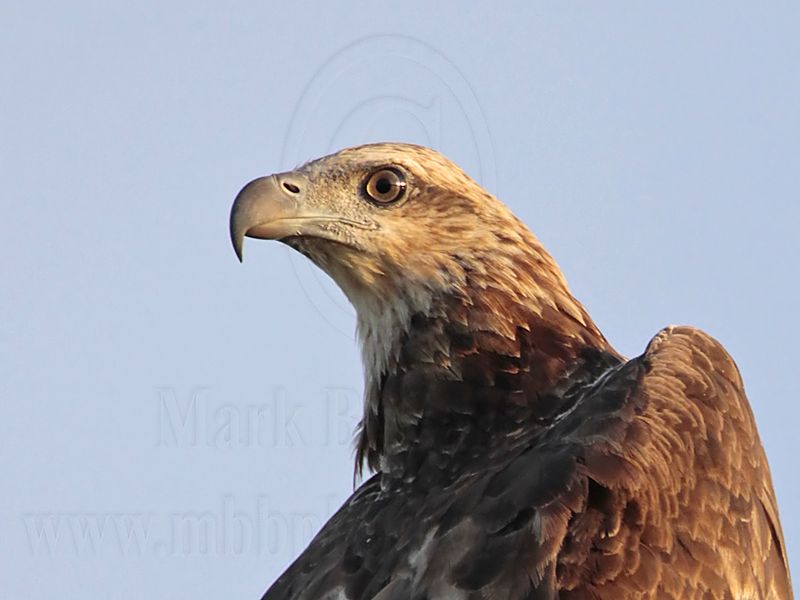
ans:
(436, 359)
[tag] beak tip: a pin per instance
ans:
(238, 243)
(237, 238)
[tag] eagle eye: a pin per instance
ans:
(386, 185)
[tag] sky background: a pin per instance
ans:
(177, 425)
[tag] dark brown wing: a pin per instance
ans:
(653, 485)
(680, 501)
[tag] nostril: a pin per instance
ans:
(290, 187)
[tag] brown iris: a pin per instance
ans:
(385, 186)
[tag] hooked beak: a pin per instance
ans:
(267, 208)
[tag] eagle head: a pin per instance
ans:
(387, 222)
(395, 226)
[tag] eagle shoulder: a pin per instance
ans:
(683, 478)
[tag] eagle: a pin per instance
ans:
(514, 454)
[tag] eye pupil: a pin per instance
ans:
(383, 185)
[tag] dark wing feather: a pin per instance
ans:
(652, 484)
(680, 501)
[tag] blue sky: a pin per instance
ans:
(178, 425)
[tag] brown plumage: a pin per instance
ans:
(516, 454)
